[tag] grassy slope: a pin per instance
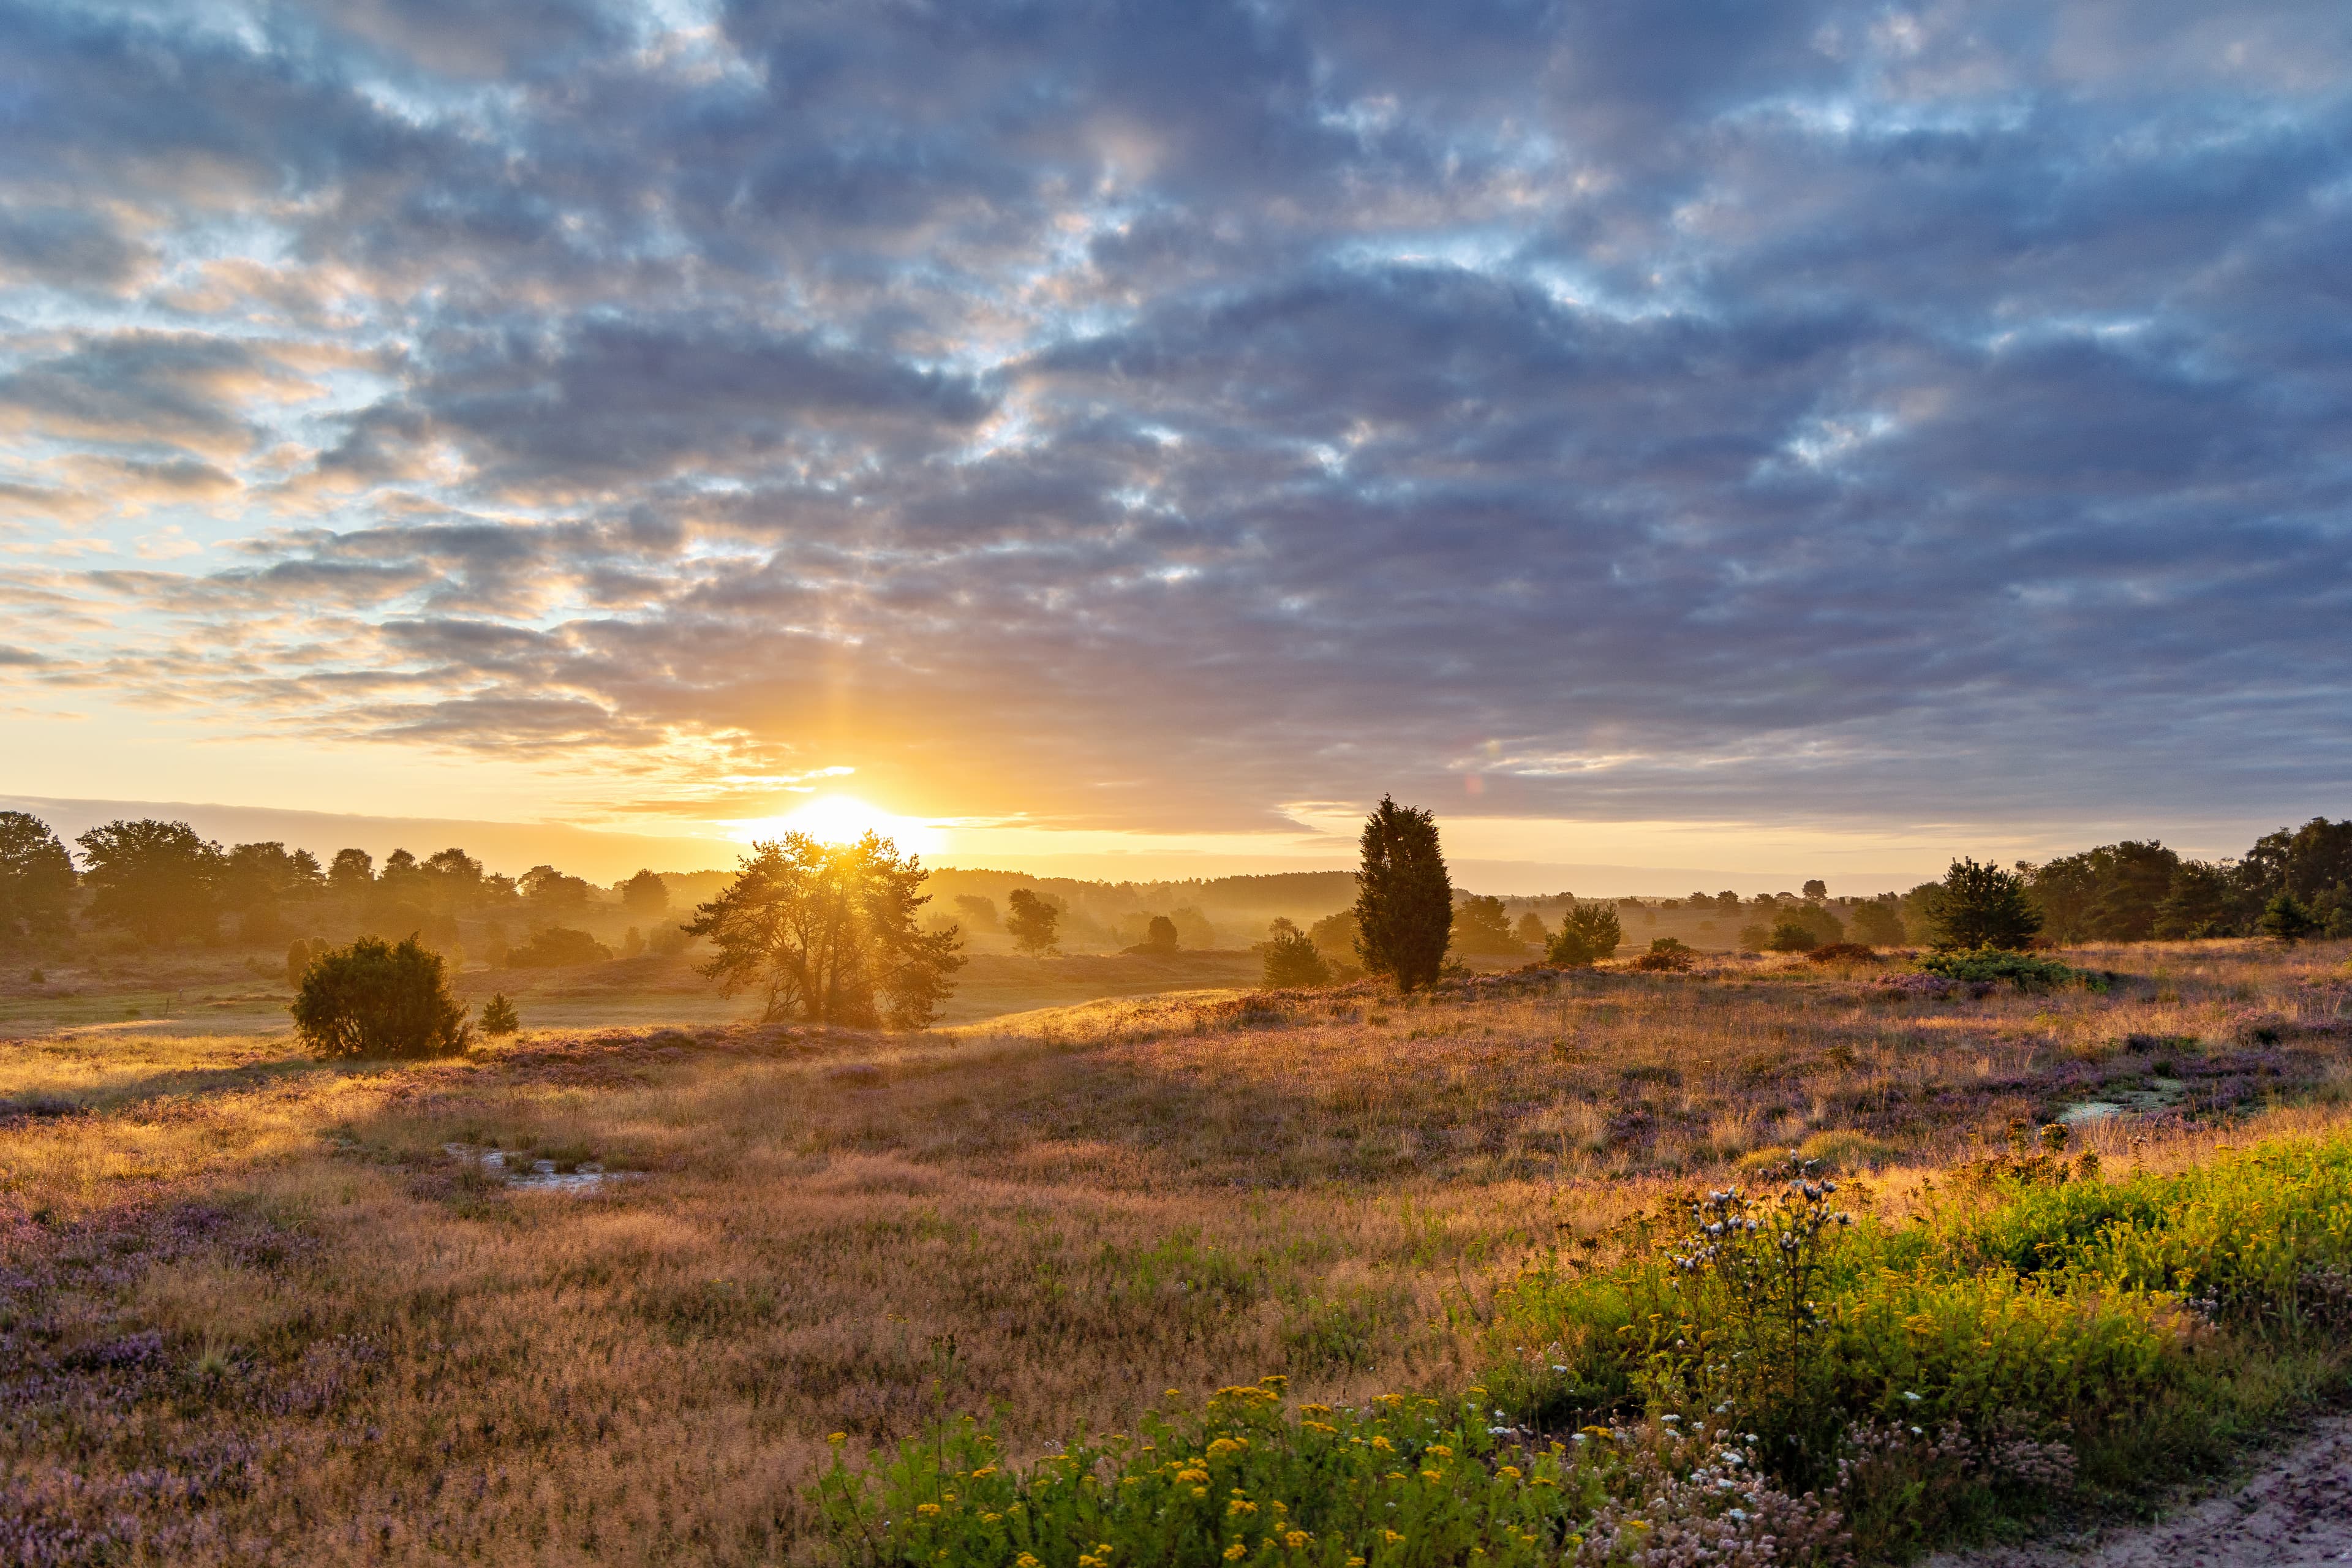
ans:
(360, 1350)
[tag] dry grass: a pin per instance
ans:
(257, 1313)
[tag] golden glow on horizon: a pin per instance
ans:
(844, 819)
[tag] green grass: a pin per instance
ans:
(2031, 1330)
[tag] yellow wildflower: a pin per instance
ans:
(836, 1438)
(1384, 1446)
(1509, 1472)
(927, 1508)
(1440, 1450)
(1315, 1410)
(1199, 1491)
(1240, 1506)
(1236, 1552)
(1026, 1560)
(1192, 1473)
(982, 1473)
(1391, 1536)
(1297, 1539)
(1433, 1475)
(991, 1518)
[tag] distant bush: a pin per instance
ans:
(1159, 936)
(1291, 959)
(557, 947)
(1666, 955)
(1790, 935)
(499, 1016)
(298, 953)
(2287, 919)
(2020, 969)
(376, 999)
(1481, 926)
(1588, 933)
(1878, 923)
(1841, 952)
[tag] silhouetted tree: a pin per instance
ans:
(978, 912)
(1531, 930)
(1404, 899)
(1291, 960)
(351, 874)
(549, 890)
(829, 933)
(1481, 926)
(1817, 888)
(1789, 934)
(156, 879)
(1032, 921)
(452, 879)
(499, 1016)
(1159, 936)
(1877, 923)
(37, 881)
(1980, 905)
(258, 880)
(377, 999)
(645, 894)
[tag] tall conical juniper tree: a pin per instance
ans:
(1405, 901)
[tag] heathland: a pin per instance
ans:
(620, 1288)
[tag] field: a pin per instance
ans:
(259, 1308)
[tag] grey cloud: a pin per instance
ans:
(1800, 408)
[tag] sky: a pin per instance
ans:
(1748, 436)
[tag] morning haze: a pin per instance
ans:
(1085, 786)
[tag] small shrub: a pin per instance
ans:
(1666, 955)
(1842, 952)
(374, 999)
(1790, 935)
(499, 1016)
(1291, 959)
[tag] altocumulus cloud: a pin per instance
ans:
(1685, 408)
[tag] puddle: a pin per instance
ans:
(542, 1175)
(2159, 1094)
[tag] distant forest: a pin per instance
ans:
(141, 884)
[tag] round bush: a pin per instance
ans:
(376, 999)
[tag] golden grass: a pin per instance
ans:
(1057, 1214)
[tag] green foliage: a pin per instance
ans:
(1990, 964)
(1291, 959)
(37, 881)
(1034, 923)
(499, 1016)
(376, 999)
(557, 947)
(2112, 893)
(2035, 1317)
(1588, 933)
(1481, 926)
(1404, 1481)
(1404, 899)
(1789, 934)
(1878, 923)
(1983, 906)
(2288, 919)
(156, 879)
(828, 932)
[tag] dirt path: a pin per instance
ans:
(2294, 1509)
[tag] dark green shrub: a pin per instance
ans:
(1792, 935)
(1980, 905)
(2287, 919)
(1404, 899)
(1291, 959)
(376, 999)
(499, 1016)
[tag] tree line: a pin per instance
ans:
(160, 883)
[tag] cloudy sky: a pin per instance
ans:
(1697, 432)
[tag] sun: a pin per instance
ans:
(844, 819)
